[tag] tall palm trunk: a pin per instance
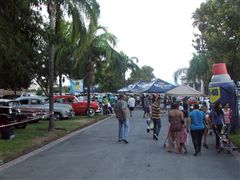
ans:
(51, 12)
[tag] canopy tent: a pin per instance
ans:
(183, 91)
(130, 87)
(156, 86)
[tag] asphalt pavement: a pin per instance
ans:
(94, 153)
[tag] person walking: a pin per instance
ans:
(147, 111)
(174, 117)
(217, 120)
(183, 138)
(155, 116)
(207, 125)
(131, 104)
(121, 112)
(196, 125)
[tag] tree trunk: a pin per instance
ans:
(89, 82)
(51, 12)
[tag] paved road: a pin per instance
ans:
(93, 153)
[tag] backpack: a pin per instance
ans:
(120, 113)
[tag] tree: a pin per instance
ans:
(51, 12)
(144, 73)
(71, 37)
(20, 29)
(218, 22)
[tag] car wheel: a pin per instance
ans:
(57, 116)
(92, 112)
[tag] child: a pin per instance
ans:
(183, 138)
(227, 114)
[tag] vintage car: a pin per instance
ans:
(9, 115)
(61, 111)
(79, 107)
(31, 113)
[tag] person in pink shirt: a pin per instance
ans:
(227, 114)
(183, 138)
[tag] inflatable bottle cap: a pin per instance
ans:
(219, 68)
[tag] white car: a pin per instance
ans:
(61, 111)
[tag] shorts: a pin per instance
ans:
(147, 109)
(131, 108)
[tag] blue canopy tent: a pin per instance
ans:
(130, 87)
(156, 86)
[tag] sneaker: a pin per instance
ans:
(195, 154)
(124, 140)
(148, 130)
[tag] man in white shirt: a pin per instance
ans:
(131, 104)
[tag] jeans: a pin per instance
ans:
(217, 131)
(157, 126)
(197, 139)
(123, 129)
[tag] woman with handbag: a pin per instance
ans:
(196, 124)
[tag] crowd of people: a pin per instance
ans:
(198, 122)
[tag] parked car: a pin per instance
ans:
(10, 115)
(61, 111)
(29, 112)
(79, 107)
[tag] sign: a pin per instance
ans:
(76, 86)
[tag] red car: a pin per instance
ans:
(79, 107)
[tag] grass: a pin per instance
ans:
(235, 137)
(36, 135)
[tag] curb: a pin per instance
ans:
(47, 146)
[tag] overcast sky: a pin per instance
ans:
(158, 32)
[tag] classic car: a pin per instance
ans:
(61, 111)
(31, 113)
(79, 107)
(9, 115)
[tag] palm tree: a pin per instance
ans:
(84, 16)
(180, 73)
(51, 12)
(81, 12)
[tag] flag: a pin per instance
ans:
(76, 86)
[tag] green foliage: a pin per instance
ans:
(145, 73)
(235, 137)
(20, 29)
(39, 92)
(218, 21)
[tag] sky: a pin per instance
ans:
(158, 32)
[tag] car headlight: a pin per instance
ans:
(10, 111)
(18, 110)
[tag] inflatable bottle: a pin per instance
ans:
(222, 88)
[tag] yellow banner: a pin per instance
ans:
(214, 94)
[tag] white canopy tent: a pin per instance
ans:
(184, 91)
